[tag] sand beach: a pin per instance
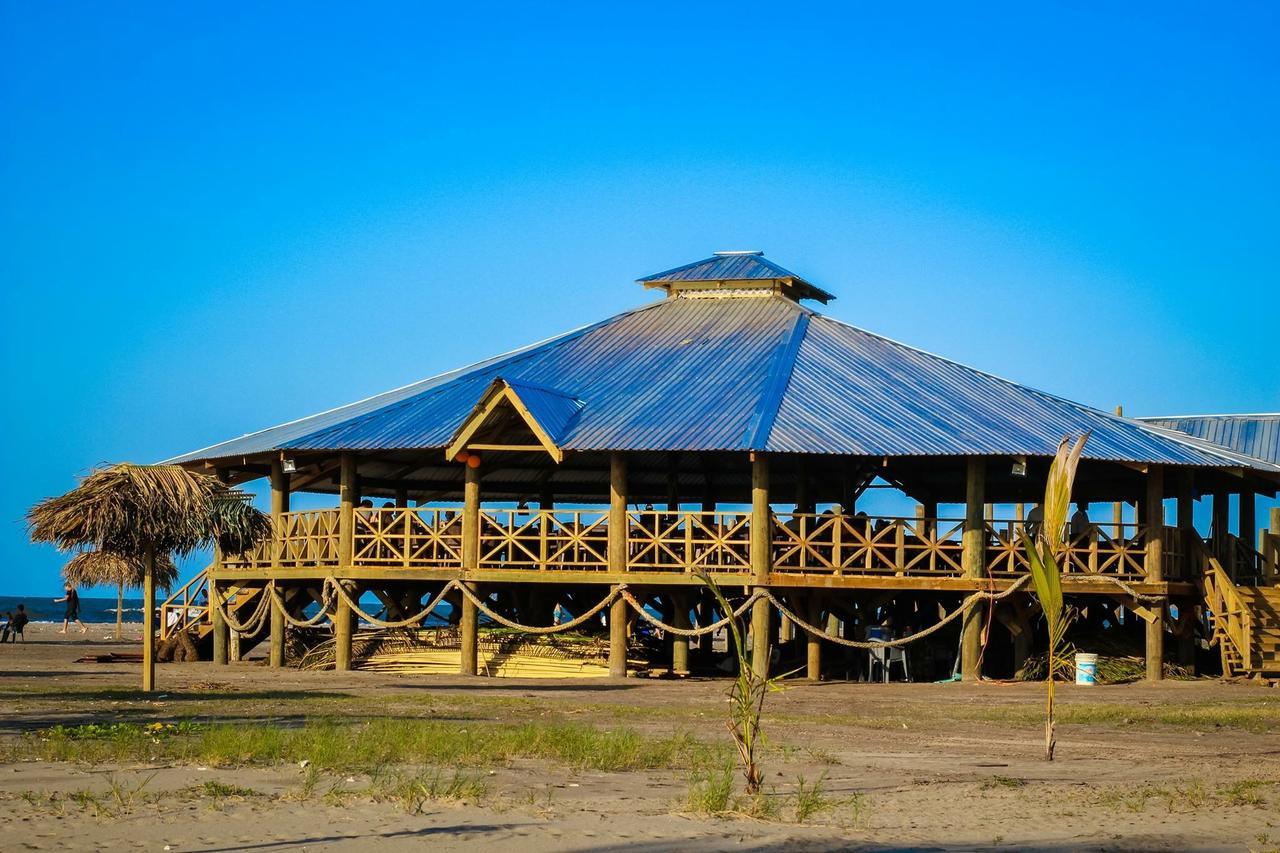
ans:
(1176, 765)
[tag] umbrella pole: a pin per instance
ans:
(149, 620)
(119, 608)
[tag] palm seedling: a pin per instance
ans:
(1045, 551)
(746, 696)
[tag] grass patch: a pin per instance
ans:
(414, 792)
(1001, 782)
(711, 790)
(346, 746)
(224, 790)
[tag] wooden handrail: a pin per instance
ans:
(182, 601)
(1232, 621)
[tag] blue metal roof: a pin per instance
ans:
(1253, 435)
(752, 372)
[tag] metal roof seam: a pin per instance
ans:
(780, 373)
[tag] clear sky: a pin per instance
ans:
(217, 217)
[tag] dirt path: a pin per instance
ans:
(1181, 765)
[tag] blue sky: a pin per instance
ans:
(219, 217)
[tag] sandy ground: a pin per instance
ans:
(908, 767)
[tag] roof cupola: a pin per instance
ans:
(740, 273)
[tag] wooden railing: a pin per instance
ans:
(544, 539)
(687, 541)
(861, 545)
(188, 605)
(1232, 623)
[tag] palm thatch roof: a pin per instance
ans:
(109, 568)
(127, 508)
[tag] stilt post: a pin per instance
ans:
(974, 560)
(279, 506)
(1154, 568)
(617, 559)
(761, 561)
(468, 625)
(813, 644)
(679, 644)
(348, 495)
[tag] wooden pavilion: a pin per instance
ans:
(729, 428)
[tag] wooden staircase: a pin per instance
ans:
(187, 609)
(1263, 604)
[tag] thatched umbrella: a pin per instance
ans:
(95, 568)
(141, 511)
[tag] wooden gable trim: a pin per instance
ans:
(497, 394)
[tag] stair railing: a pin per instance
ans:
(1232, 622)
(187, 606)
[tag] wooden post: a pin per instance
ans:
(929, 513)
(1153, 506)
(469, 624)
(973, 559)
(348, 495)
(402, 497)
(279, 506)
(342, 625)
(1154, 568)
(1273, 561)
(679, 644)
(761, 559)
(220, 632)
(1186, 522)
(149, 619)
(1248, 521)
(1221, 512)
(617, 559)
(1117, 508)
(813, 644)
(277, 632)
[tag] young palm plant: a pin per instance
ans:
(1044, 553)
(149, 514)
(746, 696)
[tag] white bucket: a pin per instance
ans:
(1086, 668)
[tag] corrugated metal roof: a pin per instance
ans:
(1253, 435)
(758, 372)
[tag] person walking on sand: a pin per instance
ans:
(73, 610)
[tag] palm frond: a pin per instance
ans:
(109, 568)
(125, 508)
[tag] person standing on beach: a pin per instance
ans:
(73, 610)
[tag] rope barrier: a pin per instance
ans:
(901, 641)
(325, 604)
(346, 599)
(638, 607)
(254, 623)
(539, 629)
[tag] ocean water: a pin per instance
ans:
(42, 609)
